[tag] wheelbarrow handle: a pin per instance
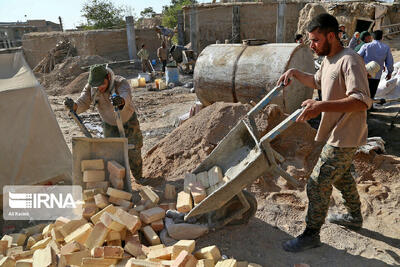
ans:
(260, 105)
(78, 121)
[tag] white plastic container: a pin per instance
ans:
(146, 76)
(134, 83)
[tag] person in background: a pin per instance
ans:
(343, 82)
(343, 36)
(355, 40)
(143, 54)
(380, 53)
(98, 92)
(298, 39)
(365, 37)
(162, 54)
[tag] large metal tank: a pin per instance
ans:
(240, 73)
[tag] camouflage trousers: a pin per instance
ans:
(333, 168)
(134, 135)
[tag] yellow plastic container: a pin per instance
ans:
(157, 81)
(142, 82)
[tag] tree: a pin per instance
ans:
(170, 13)
(148, 12)
(102, 14)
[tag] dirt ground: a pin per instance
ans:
(281, 211)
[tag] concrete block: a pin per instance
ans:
(152, 215)
(215, 175)
(96, 218)
(131, 222)
(184, 202)
(157, 225)
(169, 192)
(112, 192)
(151, 236)
(93, 176)
(103, 185)
(190, 178)
(184, 259)
(92, 164)
(120, 202)
(111, 222)
(202, 178)
(80, 235)
(227, 263)
(187, 245)
(198, 192)
(97, 236)
(148, 194)
(211, 252)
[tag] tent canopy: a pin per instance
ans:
(32, 147)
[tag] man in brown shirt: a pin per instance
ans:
(162, 55)
(343, 82)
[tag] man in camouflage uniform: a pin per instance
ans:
(98, 92)
(343, 82)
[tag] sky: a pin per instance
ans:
(69, 10)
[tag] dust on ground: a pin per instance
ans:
(281, 211)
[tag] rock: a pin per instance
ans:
(186, 230)
(166, 239)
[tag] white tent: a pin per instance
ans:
(32, 147)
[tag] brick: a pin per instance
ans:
(211, 252)
(242, 264)
(89, 203)
(215, 175)
(89, 211)
(141, 263)
(184, 259)
(96, 218)
(114, 243)
(92, 185)
(23, 255)
(9, 240)
(111, 222)
(47, 230)
(33, 239)
(227, 263)
(112, 192)
(198, 192)
(258, 265)
(60, 221)
(134, 248)
(71, 226)
(148, 204)
(161, 253)
(94, 176)
(80, 235)
(92, 164)
(44, 257)
(131, 222)
(117, 183)
(184, 202)
(157, 225)
(120, 202)
(75, 258)
(3, 247)
(155, 247)
(151, 236)
(113, 252)
(7, 262)
(57, 235)
(18, 239)
(187, 245)
(152, 215)
(208, 263)
(97, 236)
(41, 244)
(190, 178)
(139, 208)
(202, 178)
(169, 192)
(133, 212)
(132, 237)
(113, 235)
(97, 252)
(148, 194)
(97, 262)
(71, 247)
(116, 169)
(101, 201)
(32, 230)
(90, 193)
(24, 263)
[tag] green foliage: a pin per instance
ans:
(102, 14)
(148, 12)
(170, 13)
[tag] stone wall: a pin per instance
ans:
(111, 44)
(257, 20)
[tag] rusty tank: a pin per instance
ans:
(241, 73)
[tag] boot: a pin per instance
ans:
(308, 239)
(352, 221)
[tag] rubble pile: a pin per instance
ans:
(114, 231)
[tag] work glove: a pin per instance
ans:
(69, 103)
(117, 101)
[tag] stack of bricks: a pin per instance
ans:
(112, 231)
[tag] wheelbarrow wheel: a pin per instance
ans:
(236, 204)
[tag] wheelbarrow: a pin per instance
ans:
(243, 157)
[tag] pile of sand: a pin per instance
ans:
(61, 80)
(189, 144)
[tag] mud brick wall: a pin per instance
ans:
(111, 44)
